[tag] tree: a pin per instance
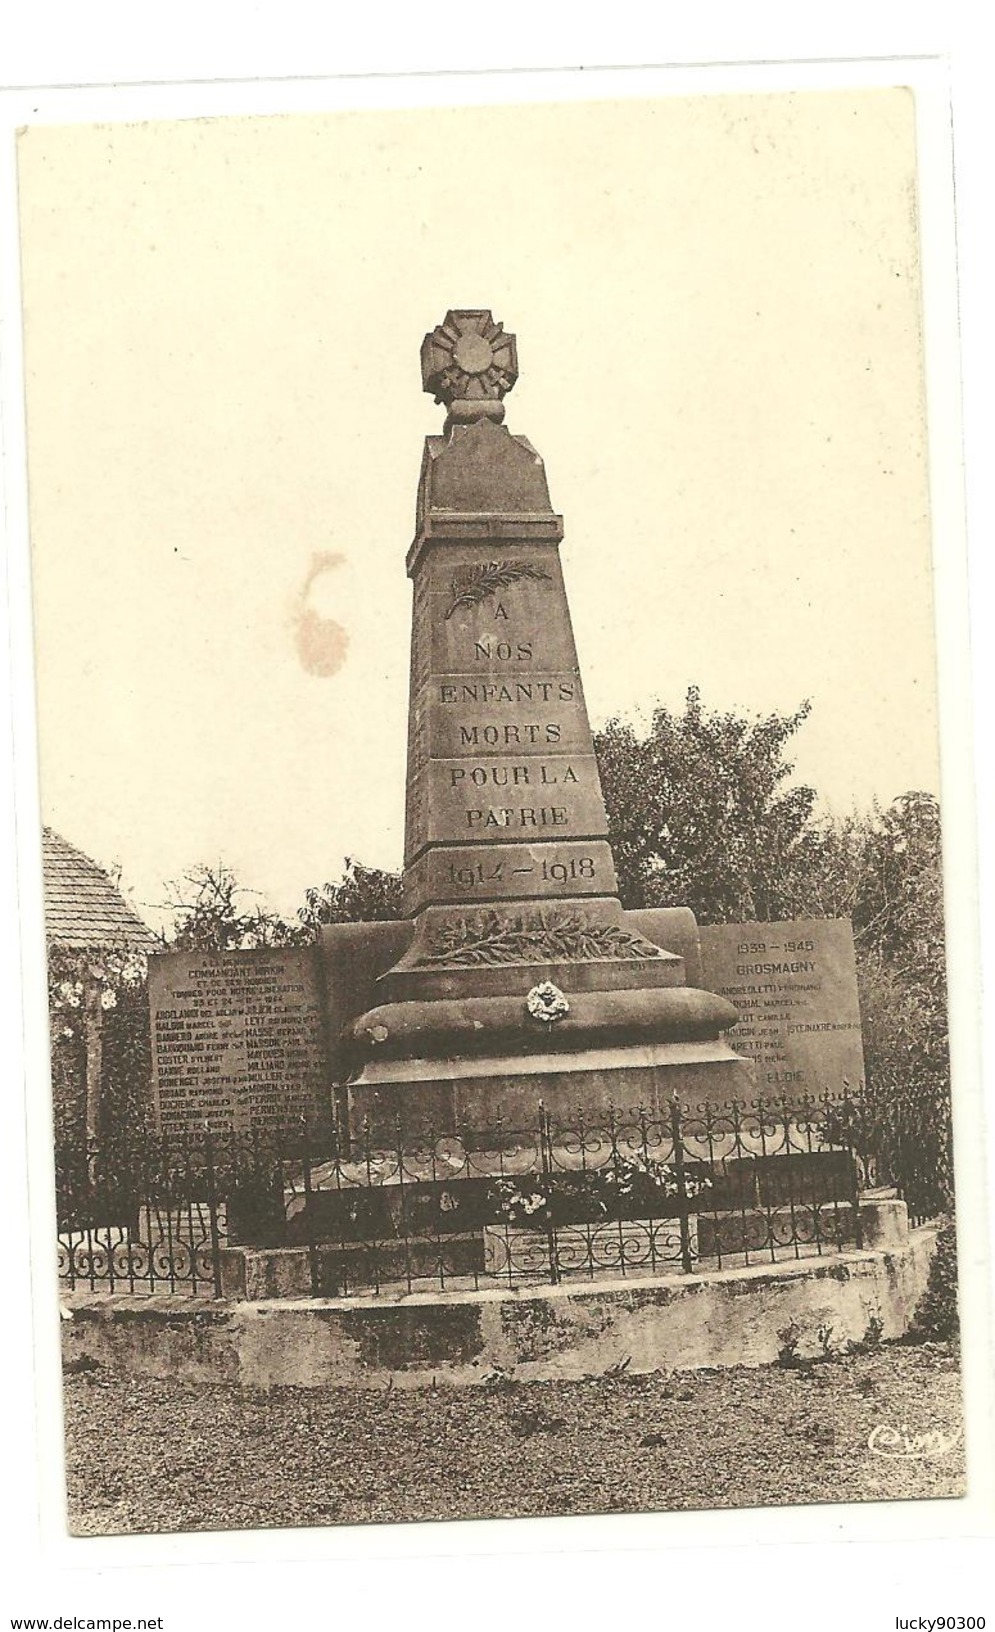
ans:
(901, 974)
(210, 914)
(829, 867)
(362, 895)
(883, 870)
(701, 811)
(213, 912)
(898, 910)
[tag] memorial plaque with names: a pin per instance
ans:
(237, 1038)
(795, 986)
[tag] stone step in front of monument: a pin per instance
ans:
(336, 1269)
(595, 1250)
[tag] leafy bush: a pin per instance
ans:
(936, 1318)
(788, 1338)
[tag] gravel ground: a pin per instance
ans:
(145, 1456)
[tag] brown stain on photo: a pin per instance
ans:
(322, 644)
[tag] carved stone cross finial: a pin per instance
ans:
(469, 363)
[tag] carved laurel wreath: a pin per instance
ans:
(532, 938)
(474, 584)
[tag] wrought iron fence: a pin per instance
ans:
(904, 1135)
(398, 1206)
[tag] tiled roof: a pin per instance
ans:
(83, 908)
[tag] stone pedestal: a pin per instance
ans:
(524, 981)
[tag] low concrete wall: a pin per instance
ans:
(726, 1318)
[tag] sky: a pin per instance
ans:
(717, 306)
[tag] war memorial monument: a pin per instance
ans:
(523, 978)
(516, 974)
(517, 1020)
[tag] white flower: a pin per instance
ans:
(67, 1031)
(547, 1003)
(108, 999)
(70, 993)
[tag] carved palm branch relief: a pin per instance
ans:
(475, 584)
(535, 938)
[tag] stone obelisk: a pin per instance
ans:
(524, 978)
